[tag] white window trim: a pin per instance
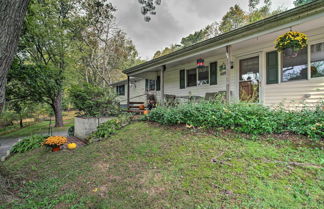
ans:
(310, 43)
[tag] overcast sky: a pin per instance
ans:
(175, 19)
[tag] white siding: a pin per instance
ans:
(172, 81)
(137, 91)
(295, 93)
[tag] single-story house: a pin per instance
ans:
(243, 63)
(139, 89)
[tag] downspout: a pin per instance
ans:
(228, 73)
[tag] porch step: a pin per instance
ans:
(134, 106)
(136, 102)
(136, 111)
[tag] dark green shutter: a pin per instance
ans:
(272, 67)
(146, 85)
(182, 79)
(158, 83)
(213, 73)
(123, 90)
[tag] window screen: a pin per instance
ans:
(295, 68)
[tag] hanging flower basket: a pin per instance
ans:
(291, 43)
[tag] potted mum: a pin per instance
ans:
(55, 142)
(291, 42)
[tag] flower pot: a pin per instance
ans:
(56, 149)
(291, 52)
(141, 107)
(146, 112)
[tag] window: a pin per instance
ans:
(192, 77)
(150, 85)
(213, 73)
(249, 69)
(120, 90)
(317, 60)
(295, 68)
(203, 76)
(272, 67)
(182, 79)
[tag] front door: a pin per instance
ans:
(249, 79)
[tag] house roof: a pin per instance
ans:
(283, 18)
(125, 81)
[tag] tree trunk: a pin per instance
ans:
(21, 123)
(57, 108)
(12, 13)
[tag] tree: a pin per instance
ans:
(148, 8)
(36, 83)
(12, 14)
(46, 42)
(301, 2)
(167, 50)
(233, 19)
(105, 48)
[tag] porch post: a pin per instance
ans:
(128, 91)
(228, 73)
(162, 84)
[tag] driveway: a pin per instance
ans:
(6, 144)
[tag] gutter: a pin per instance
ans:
(283, 18)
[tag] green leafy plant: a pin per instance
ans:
(292, 39)
(94, 101)
(71, 131)
(110, 127)
(243, 118)
(28, 143)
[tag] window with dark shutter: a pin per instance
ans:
(158, 83)
(182, 79)
(272, 67)
(213, 73)
(120, 90)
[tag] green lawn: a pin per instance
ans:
(36, 127)
(146, 166)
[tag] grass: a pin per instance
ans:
(36, 128)
(147, 166)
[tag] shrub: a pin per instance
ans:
(243, 118)
(71, 131)
(94, 101)
(28, 143)
(110, 127)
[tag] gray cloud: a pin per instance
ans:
(174, 20)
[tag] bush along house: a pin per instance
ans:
(277, 60)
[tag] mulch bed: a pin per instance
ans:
(73, 139)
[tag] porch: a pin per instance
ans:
(244, 64)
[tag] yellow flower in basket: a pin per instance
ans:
(293, 40)
(55, 141)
